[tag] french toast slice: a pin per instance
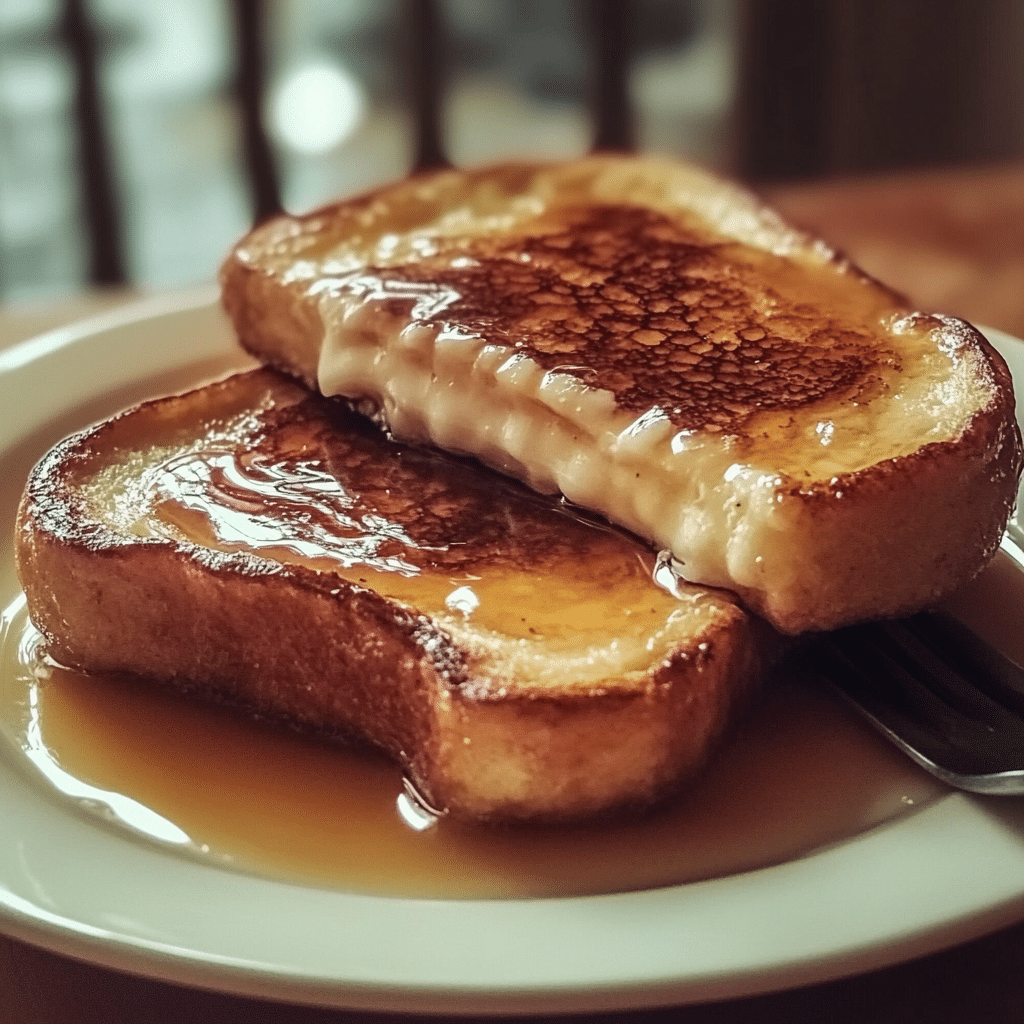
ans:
(261, 545)
(651, 342)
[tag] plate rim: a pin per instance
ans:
(489, 980)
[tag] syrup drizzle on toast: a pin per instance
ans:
(445, 537)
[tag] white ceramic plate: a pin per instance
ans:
(942, 875)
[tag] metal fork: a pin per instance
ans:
(935, 688)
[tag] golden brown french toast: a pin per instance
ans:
(262, 545)
(652, 343)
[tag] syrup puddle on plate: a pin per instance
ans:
(798, 773)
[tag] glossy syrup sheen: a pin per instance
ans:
(798, 773)
(298, 511)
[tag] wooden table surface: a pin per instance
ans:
(952, 240)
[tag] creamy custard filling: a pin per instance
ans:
(709, 498)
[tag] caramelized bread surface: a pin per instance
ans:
(260, 544)
(652, 343)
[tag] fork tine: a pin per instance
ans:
(992, 672)
(918, 683)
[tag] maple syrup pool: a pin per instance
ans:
(799, 772)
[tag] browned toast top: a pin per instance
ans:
(653, 311)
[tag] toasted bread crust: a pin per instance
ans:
(856, 527)
(677, 314)
(310, 647)
(959, 487)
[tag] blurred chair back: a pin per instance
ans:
(423, 58)
(822, 87)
